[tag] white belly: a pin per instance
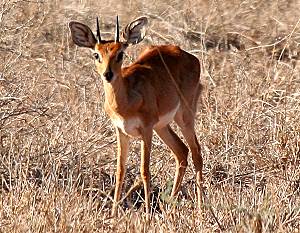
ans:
(167, 118)
(129, 126)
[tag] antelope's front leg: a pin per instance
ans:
(123, 144)
(145, 164)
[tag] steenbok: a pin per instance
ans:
(162, 85)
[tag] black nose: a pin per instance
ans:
(108, 75)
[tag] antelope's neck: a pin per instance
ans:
(116, 95)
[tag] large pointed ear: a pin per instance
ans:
(135, 31)
(82, 35)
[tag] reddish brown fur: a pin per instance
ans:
(148, 76)
(147, 91)
(162, 85)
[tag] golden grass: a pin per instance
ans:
(57, 145)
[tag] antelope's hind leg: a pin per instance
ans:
(145, 165)
(186, 121)
(180, 152)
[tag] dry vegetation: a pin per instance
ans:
(57, 146)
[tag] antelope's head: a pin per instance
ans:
(108, 53)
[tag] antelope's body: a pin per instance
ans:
(162, 85)
(147, 94)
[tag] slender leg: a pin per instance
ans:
(197, 160)
(145, 163)
(180, 152)
(188, 131)
(123, 145)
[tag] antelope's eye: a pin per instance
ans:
(120, 56)
(97, 57)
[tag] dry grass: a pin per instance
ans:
(57, 145)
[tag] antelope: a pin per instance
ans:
(162, 85)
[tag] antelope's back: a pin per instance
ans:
(165, 71)
(169, 59)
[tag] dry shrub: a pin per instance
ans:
(57, 145)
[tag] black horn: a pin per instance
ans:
(117, 30)
(98, 32)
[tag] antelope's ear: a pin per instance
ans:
(82, 35)
(135, 31)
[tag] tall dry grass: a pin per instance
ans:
(57, 145)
